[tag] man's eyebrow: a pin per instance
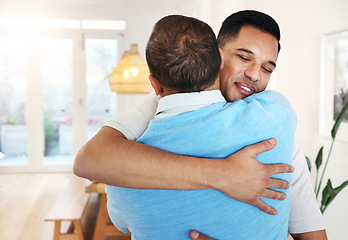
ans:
(252, 53)
(245, 50)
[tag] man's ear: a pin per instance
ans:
(155, 85)
(222, 58)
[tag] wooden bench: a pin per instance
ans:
(70, 206)
(103, 226)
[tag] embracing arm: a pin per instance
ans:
(316, 235)
(112, 159)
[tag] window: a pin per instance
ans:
(57, 98)
(67, 76)
(13, 82)
(101, 56)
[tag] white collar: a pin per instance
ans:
(178, 103)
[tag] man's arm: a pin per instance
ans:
(112, 159)
(316, 235)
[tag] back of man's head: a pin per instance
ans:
(232, 25)
(182, 54)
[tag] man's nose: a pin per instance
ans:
(252, 72)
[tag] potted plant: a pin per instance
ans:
(13, 135)
(328, 193)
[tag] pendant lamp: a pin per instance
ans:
(131, 74)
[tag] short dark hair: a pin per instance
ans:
(182, 54)
(232, 25)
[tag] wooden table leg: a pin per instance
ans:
(56, 230)
(78, 229)
(102, 219)
(102, 228)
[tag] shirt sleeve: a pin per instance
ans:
(134, 123)
(305, 215)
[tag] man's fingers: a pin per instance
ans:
(272, 194)
(199, 236)
(264, 207)
(263, 146)
(280, 168)
(278, 183)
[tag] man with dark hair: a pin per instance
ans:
(171, 53)
(258, 67)
(194, 119)
(232, 25)
(248, 62)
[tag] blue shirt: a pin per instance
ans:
(214, 131)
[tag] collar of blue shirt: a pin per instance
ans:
(178, 103)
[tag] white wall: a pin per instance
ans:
(298, 77)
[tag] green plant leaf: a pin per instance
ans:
(339, 120)
(309, 163)
(319, 159)
(329, 194)
(325, 196)
(340, 188)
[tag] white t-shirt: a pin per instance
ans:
(305, 215)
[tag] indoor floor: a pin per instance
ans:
(25, 199)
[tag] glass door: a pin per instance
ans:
(101, 59)
(13, 82)
(57, 99)
(54, 96)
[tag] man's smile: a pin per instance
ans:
(245, 88)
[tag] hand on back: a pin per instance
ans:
(243, 178)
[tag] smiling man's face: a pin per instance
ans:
(248, 62)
